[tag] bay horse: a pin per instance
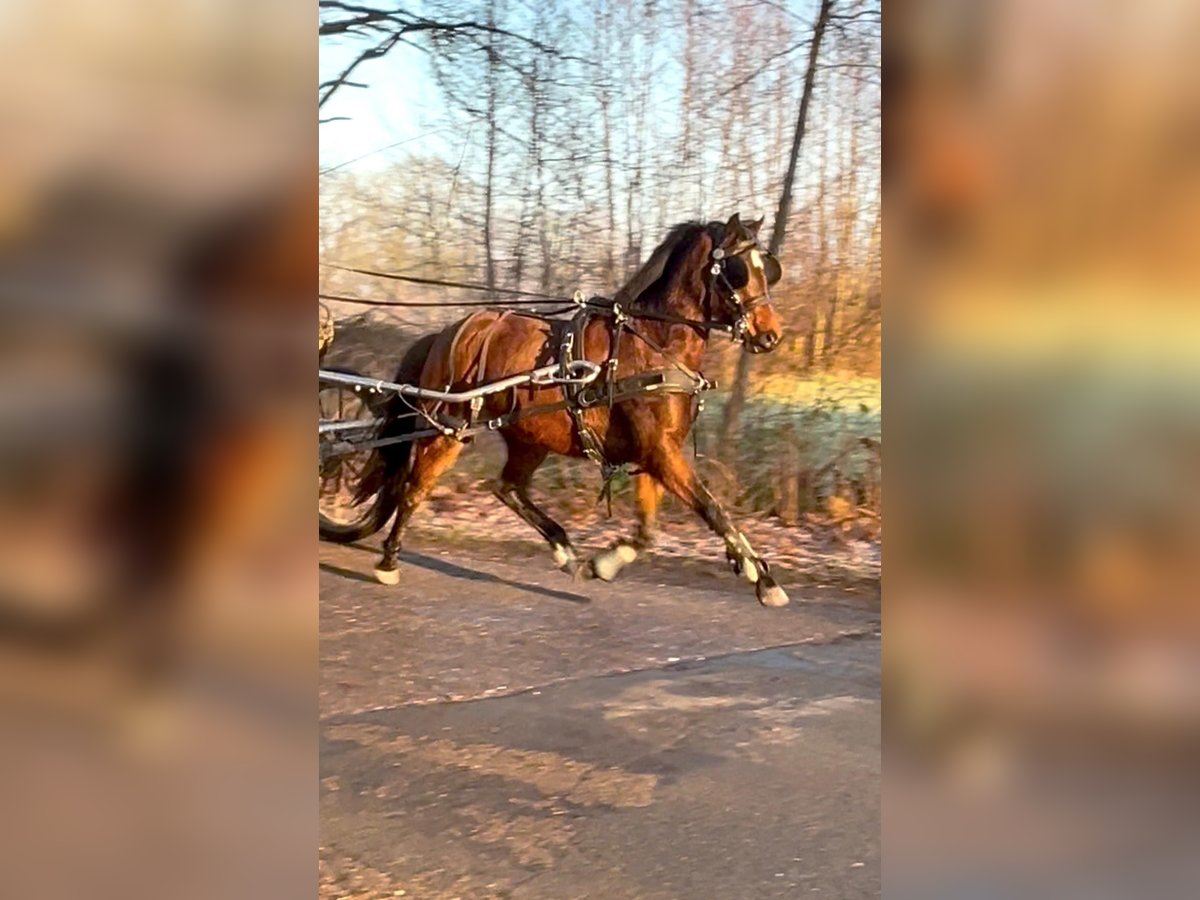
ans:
(702, 277)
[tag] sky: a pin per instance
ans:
(400, 106)
(401, 113)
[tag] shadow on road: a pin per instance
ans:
(346, 573)
(455, 571)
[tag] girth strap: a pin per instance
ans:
(571, 348)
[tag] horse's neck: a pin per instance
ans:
(679, 299)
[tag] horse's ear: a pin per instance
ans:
(734, 226)
(754, 226)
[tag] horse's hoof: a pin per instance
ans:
(564, 558)
(771, 594)
(387, 576)
(607, 565)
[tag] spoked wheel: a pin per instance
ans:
(344, 513)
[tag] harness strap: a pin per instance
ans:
(453, 354)
(701, 325)
(589, 441)
(480, 360)
(695, 377)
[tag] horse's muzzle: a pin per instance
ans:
(764, 343)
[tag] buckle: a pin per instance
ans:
(738, 331)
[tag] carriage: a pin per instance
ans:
(353, 415)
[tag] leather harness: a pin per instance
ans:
(607, 390)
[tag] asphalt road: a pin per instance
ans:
(490, 729)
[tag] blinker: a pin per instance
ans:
(771, 268)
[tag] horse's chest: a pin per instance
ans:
(636, 428)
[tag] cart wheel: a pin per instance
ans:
(343, 516)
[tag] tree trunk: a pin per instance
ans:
(737, 395)
(604, 22)
(610, 274)
(491, 150)
(540, 177)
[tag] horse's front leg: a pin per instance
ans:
(607, 564)
(671, 467)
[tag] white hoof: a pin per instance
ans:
(564, 558)
(607, 565)
(387, 576)
(772, 596)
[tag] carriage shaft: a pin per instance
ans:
(580, 371)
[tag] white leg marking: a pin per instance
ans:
(562, 555)
(606, 565)
(740, 546)
(387, 576)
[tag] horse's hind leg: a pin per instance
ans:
(431, 460)
(607, 564)
(513, 492)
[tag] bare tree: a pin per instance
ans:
(737, 397)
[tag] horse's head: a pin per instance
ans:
(741, 274)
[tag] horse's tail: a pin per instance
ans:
(387, 472)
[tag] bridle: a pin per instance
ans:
(739, 306)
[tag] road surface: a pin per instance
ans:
(491, 729)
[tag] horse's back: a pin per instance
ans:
(485, 346)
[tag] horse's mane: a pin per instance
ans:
(680, 236)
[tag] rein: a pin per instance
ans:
(437, 282)
(534, 298)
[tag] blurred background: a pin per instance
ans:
(1040, 662)
(157, 616)
(549, 147)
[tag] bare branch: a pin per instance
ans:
(395, 26)
(741, 82)
(375, 52)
